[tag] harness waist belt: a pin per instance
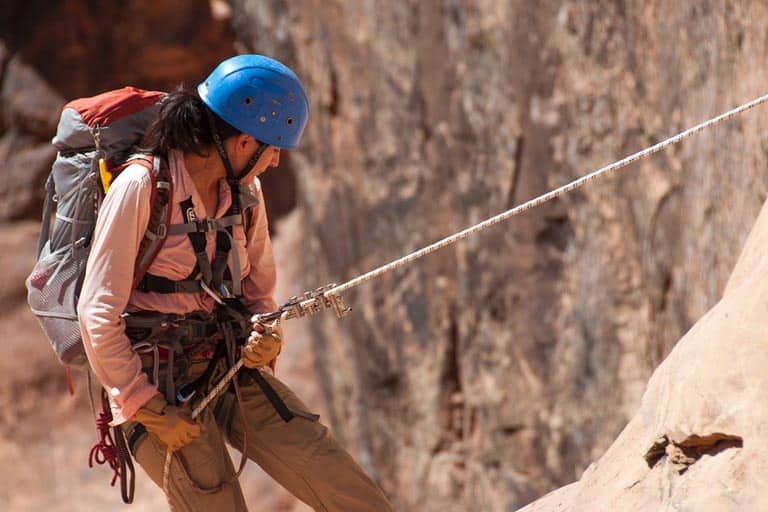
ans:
(195, 334)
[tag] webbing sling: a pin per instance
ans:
(280, 406)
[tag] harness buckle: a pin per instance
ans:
(171, 321)
(206, 225)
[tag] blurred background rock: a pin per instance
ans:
(488, 373)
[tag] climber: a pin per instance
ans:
(158, 346)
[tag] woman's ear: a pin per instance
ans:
(244, 141)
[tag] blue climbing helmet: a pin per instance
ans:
(260, 97)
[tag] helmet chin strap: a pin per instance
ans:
(252, 161)
(232, 178)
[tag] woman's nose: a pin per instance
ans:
(275, 157)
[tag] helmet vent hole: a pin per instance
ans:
(289, 120)
(263, 119)
(279, 137)
(248, 101)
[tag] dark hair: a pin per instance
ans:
(183, 124)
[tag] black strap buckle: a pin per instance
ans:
(205, 225)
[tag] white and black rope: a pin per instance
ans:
(603, 171)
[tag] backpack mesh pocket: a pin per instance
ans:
(52, 290)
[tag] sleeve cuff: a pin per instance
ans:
(121, 414)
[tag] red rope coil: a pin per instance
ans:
(105, 451)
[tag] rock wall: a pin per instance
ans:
(499, 368)
(698, 440)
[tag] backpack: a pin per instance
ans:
(95, 139)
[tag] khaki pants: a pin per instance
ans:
(301, 455)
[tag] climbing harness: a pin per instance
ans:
(232, 325)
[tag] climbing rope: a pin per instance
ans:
(533, 203)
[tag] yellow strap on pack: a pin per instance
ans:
(106, 176)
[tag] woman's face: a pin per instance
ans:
(242, 148)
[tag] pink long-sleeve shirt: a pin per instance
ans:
(107, 290)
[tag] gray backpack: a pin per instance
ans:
(95, 139)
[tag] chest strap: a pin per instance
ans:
(216, 277)
(205, 225)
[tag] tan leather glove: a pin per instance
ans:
(172, 425)
(262, 348)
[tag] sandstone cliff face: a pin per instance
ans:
(698, 440)
(500, 368)
(495, 370)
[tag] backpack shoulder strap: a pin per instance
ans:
(160, 213)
